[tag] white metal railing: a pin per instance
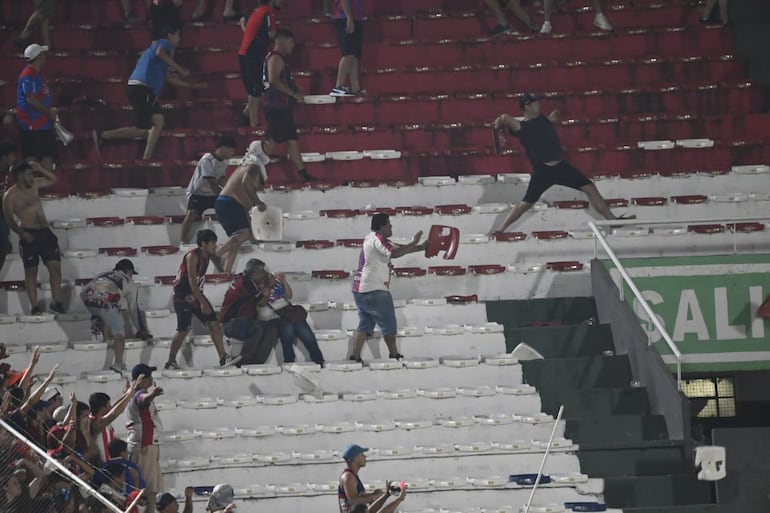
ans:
(602, 240)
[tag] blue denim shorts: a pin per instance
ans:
(375, 307)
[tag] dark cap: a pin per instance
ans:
(140, 369)
(126, 266)
(164, 500)
(526, 99)
(353, 450)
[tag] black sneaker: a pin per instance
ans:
(500, 30)
(57, 308)
(396, 356)
(306, 177)
(172, 365)
(354, 359)
(36, 311)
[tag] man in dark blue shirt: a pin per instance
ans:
(549, 166)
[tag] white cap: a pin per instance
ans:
(255, 154)
(60, 413)
(33, 51)
(50, 393)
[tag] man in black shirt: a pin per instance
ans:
(538, 136)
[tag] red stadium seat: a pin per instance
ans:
(748, 227)
(316, 244)
(509, 236)
(550, 234)
(146, 220)
(409, 271)
(447, 270)
(350, 243)
(565, 266)
(118, 251)
(486, 269)
(654, 201)
(453, 210)
(690, 199)
(160, 250)
(442, 238)
(105, 221)
(330, 274)
(339, 213)
(706, 228)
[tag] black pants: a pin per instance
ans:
(258, 339)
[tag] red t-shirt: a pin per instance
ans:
(256, 37)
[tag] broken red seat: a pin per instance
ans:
(316, 244)
(706, 228)
(350, 243)
(160, 250)
(689, 199)
(747, 227)
(486, 269)
(473, 298)
(146, 220)
(330, 274)
(453, 210)
(447, 270)
(414, 211)
(409, 272)
(118, 251)
(105, 221)
(565, 266)
(570, 204)
(617, 202)
(509, 236)
(385, 210)
(550, 234)
(652, 201)
(442, 238)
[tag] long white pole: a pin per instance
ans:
(545, 457)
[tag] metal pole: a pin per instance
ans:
(545, 457)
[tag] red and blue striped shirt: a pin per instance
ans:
(31, 83)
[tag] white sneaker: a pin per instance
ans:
(546, 28)
(600, 20)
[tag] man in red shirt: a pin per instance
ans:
(258, 31)
(239, 314)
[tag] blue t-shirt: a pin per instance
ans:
(99, 477)
(151, 70)
(31, 83)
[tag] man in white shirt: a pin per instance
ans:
(206, 182)
(371, 285)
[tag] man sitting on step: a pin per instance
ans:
(240, 318)
(351, 492)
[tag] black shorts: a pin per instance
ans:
(144, 103)
(543, 177)
(280, 126)
(38, 144)
(200, 203)
(251, 73)
(350, 44)
(45, 247)
(185, 311)
(5, 233)
(232, 216)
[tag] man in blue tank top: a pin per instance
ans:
(351, 492)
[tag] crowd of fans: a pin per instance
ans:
(257, 307)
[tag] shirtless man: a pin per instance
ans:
(232, 206)
(36, 240)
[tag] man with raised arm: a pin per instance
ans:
(36, 240)
(371, 284)
(537, 135)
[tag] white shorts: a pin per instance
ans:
(112, 318)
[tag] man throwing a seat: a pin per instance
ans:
(371, 285)
(549, 165)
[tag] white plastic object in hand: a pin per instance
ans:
(267, 224)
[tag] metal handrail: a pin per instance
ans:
(599, 236)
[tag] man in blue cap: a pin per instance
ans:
(351, 491)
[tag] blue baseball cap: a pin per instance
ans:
(353, 450)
